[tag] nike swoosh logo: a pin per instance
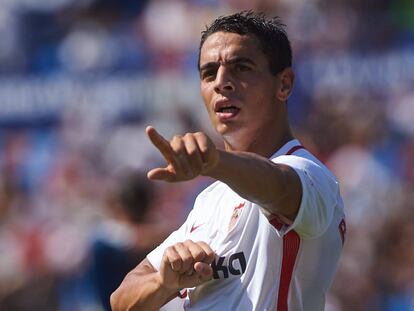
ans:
(241, 205)
(193, 228)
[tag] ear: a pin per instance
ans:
(285, 84)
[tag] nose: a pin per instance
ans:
(223, 82)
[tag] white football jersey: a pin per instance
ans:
(264, 262)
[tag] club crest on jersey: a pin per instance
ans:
(235, 215)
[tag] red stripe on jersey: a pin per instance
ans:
(293, 149)
(275, 222)
(182, 295)
(278, 221)
(291, 244)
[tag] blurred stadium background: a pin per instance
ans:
(80, 79)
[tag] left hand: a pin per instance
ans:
(186, 264)
(187, 156)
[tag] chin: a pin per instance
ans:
(221, 128)
(231, 127)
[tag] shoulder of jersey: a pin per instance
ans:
(308, 157)
(215, 185)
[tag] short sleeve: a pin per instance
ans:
(179, 235)
(320, 194)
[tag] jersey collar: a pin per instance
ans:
(285, 148)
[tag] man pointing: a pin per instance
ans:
(268, 234)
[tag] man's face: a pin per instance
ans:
(237, 86)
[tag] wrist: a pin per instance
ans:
(212, 169)
(167, 291)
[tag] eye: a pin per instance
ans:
(242, 68)
(208, 74)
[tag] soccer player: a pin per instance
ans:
(268, 233)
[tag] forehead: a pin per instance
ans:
(220, 46)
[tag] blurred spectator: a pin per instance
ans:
(123, 240)
(393, 261)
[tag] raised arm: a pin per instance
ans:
(275, 187)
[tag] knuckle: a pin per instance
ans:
(192, 152)
(178, 148)
(204, 149)
(188, 242)
(171, 254)
(210, 255)
(187, 259)
(169, 250)
(204, 245)
(209, 250)
(199, 255)
(176, 141)
(173, 258)
(197, 251)
(174, 249)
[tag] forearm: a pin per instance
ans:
(141, 292)
(276, 187)
(257, 179)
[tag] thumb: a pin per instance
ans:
(203, 271)
(161, 174)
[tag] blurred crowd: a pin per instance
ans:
(80, 79)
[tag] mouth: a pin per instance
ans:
(226, 109)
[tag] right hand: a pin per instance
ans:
(186, 265)
(187, 156)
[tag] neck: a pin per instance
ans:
(264, 143)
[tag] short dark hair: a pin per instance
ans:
(270, 33)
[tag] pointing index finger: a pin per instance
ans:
(161, 143)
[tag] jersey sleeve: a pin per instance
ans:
(180, 235)
(320, 192)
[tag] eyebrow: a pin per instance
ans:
(234, 60)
